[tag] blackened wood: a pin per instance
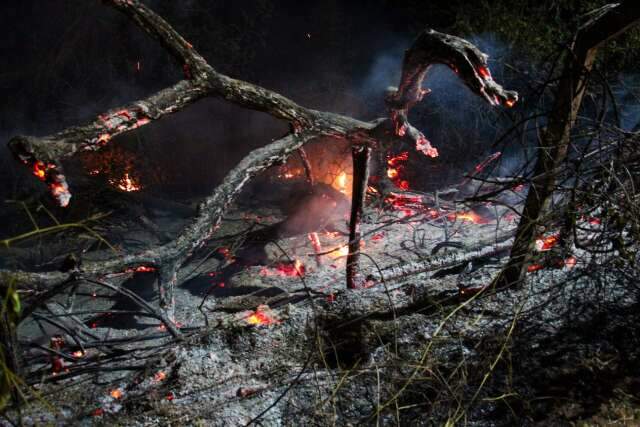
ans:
(360, 155)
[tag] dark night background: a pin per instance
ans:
(66, 61)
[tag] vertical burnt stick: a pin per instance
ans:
(360, 155)
(307, 166)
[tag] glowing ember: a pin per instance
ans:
(317, 246)
(226, 253)
(546, 243)
(57, 365)
(39, 170)
(510, 102)
(261, 317)
(423, 145)
(480, 167)
(116, 393)
(395, 165)
(570, 262)
(377, 237)
(159, 376)
(466, 293)
(594, 220)
(470, 216)
(315, 241)
(484, 73)
(144, 269)
(285, 270)
(78, 354)
(103, 138)
(60, 190)
(126, 183)
(534, 267)
(343, 251)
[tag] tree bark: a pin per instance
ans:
(360, 155)
(553, 146)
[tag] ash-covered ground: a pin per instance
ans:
(273, 337)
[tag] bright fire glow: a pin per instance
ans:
(261, 317)
(546, 243)
(341, 181)
(116, 393)
(423, 145)
(395, 164)
(284, 270)
(126, 183)
(39, 170)
(339, 253)
(470, 216)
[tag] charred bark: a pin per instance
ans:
(553, 146)
(361, 155)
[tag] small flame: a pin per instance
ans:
(126, 183)
(78, 354)
(395, 166)
(116, 393)
(159, 376)
(285, 270)
(343, 251)
(468, 216)
(546, 243)
(261, 317)
(39, 170)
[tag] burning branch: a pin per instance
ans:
(465, 59)
(43, 154)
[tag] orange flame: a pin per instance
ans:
(285, 270)
(546, 243)
(126, 183)
(261, 317)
